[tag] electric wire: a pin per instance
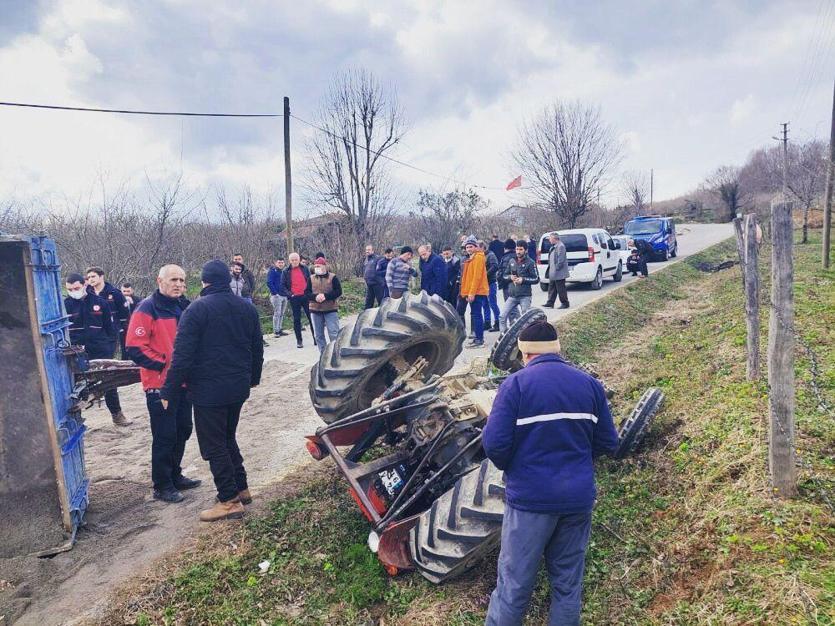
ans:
(134, 112)
(378, 153)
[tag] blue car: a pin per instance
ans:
(659, 232)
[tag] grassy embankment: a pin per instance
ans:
(687, 531)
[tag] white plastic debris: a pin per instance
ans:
(264, 566)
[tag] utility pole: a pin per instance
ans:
(651, 187)
(288, 183)
(830, 181)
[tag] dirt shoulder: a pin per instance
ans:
(125, 530)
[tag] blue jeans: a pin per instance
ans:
(322, 320)
(477, 307)
(490, 303)
(526, 537)
(513, 307)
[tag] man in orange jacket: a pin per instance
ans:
(474, 289)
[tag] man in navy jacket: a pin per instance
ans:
(549, 420)
(278, 295)
(433, 278)
(218, 356)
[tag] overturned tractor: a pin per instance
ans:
(407, 436)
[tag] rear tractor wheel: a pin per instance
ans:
(382, 343)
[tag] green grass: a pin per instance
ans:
(686, 532)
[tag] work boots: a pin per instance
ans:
(245, 497)
(233, 509)
(119, 419)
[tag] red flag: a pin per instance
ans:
(516, 182)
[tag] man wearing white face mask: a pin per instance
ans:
(325, 291)
(92, 326)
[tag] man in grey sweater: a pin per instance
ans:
(557, 273)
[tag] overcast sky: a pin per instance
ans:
(688, 85)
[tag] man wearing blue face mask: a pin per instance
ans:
(92, 326)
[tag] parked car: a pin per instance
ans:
(623, 247)
(658, 231)
(592, 256)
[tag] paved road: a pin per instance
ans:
(692, 238)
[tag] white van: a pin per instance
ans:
(592, 256)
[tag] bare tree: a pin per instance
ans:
(568, 151)
(441, 217)
(636, 190)
(725, 184)
(361, 121)
(807, 176)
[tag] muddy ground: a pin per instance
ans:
(125, 529)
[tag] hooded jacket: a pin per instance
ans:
(433, 275)
(474, 276)
(548, 421)
(218, 351)
(150, 336)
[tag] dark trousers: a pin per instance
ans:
(491, 304)
(297, 305)
(170, 429)
(555, 288)
(526, 538)
(396, 293)
(452, 294)
(111, 397)
(216, 426)
(373, 293)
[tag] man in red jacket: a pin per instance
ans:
(150, 344)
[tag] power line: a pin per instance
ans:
(259, 115)
(398, 161)
(134, 112)
(392, 159)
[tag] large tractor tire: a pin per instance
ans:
(369, 354)
(634, 427)
(461, 526)
(505, 353)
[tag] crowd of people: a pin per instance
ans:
(198, 361)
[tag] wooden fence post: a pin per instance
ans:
(740, 246)
(781, 453)
(751, 278)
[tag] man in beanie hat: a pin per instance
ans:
(325, 291)
(218, 356)
(399, 271)
(548, 421)
(474, 289)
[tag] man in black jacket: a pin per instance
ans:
(92, 326)
(509, 254)
(218, 355)
(373, 282)
(248, 276)
(491, 303)
(453, 274)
